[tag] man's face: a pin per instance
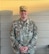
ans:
(23, 15)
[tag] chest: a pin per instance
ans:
(24, 30)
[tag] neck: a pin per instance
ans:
(23, 19)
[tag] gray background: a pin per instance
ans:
(42, 21)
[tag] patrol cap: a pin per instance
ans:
(23, 8)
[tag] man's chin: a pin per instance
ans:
(24, 19)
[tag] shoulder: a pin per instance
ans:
(31, 21)
(15, 23)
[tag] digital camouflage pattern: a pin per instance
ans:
(23, 34)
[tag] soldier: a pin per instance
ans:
(23, 34)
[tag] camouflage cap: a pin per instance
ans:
(23, 8)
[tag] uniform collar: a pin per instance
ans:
(22, 22)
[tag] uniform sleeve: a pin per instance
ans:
(14, 43)
(34, 39)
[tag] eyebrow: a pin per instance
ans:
(23, 10)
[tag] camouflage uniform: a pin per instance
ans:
(23, 34)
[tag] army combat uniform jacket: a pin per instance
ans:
(23, 33)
